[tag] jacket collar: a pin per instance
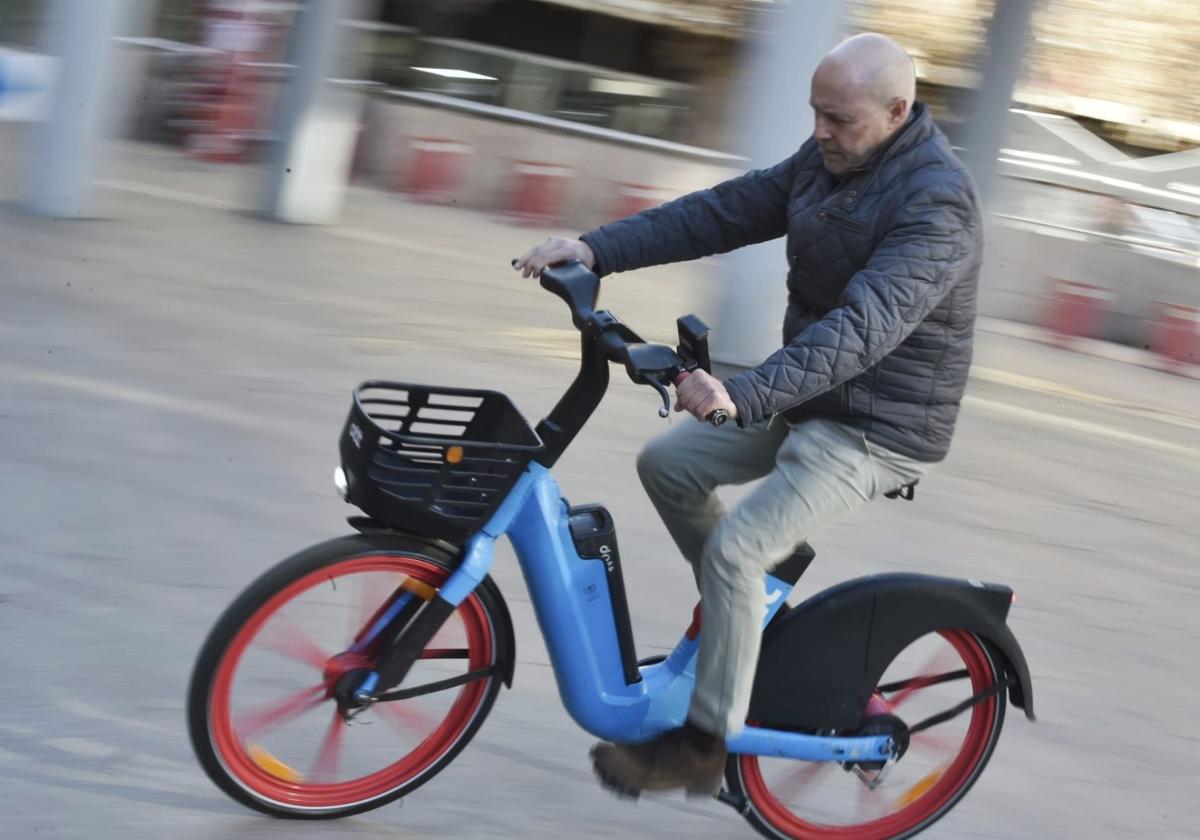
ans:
(916, 130)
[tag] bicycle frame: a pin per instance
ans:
(571, 595)
(571, 599)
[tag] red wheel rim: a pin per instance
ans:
(960, 773)
(233, 753)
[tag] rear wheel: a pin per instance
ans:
(808, 800)
(261, 713)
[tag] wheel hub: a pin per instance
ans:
(882, 724)
(343, 674)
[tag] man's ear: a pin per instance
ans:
(898, 110)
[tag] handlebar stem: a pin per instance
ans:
(603, 339)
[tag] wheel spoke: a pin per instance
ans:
(929, 674)
(285, 637)
(439, 640)
(405, 718)
(866, 803)
(357, 617)
(256, 704)
(924, 782)
(250, 724)
(800, 778)
(325, 767)
(936, 742)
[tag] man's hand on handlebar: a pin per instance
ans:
(701, 394)
(551, 252)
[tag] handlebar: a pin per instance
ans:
(647, 364)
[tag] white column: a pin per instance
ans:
(318, 118)
(1007, 38)
(66, 144)
(771, 121)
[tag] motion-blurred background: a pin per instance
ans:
(219, 217)
(574, 112)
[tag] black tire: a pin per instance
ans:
(487, 600)
(759, 814)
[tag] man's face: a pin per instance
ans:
(850, 124)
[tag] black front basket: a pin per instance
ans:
(433, 461)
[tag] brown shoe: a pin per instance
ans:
(685, 757)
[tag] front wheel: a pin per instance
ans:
(261, 714)
(795, 800)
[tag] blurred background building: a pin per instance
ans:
(665, 68)
(572, 112)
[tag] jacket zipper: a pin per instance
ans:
(842, 222)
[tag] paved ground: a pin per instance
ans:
(173, 375)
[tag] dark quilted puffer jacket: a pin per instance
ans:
(882, 281)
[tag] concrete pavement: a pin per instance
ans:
(173, 376)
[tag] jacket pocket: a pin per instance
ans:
(843, 222)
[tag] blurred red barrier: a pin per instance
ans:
(236, 83)
(230, 118)
(539, 192)
(435, 169)
(1077, 310)
(634, 198)
(1176, 336)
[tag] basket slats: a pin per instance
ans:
(394, 447)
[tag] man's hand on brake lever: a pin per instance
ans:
(701, 395)
(551, 252)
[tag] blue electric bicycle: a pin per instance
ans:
(876, 705)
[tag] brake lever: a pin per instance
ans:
(665, 411)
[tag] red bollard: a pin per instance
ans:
(539, 192)
(231, 118)
(1076, 311)
(1176, 338)
(435, 169)
(634, 198)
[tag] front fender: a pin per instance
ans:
(821, 661)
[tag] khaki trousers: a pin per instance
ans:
(816, 471)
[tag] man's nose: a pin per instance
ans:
(821, 130)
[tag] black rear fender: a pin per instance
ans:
(821, 661)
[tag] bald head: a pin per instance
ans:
(871, 65)
(862, 93)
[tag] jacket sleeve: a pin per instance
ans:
(912, 269)
(742, 211)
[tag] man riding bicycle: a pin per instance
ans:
(884, 241)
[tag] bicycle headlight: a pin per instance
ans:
(340, 482)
